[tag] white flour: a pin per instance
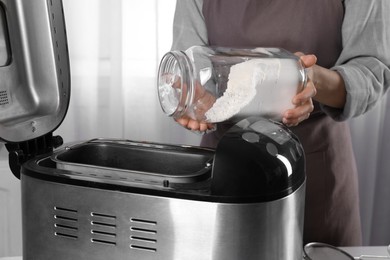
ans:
(245, 79)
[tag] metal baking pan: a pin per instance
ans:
(136, 161)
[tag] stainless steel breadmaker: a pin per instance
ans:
(118, 199)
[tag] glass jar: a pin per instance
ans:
(215, 84)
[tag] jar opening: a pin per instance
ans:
(174, 83)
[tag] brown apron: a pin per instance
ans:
(310, 26)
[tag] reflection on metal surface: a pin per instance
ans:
(322, 251)
(286, 162)
(5, 52)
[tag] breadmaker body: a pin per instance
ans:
(67, 222)
(118, 199)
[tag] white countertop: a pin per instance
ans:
(370, 250)
(354, 251)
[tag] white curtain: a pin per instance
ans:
(370, 136)
(115, 47)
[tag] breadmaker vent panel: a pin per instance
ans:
(66, 223)
(103, 229)
(143, 235)
(4, 99)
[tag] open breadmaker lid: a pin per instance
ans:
(34, 76)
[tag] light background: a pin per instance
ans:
(115, 48)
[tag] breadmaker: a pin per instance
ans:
(118, 199)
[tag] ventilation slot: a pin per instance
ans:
(65, 223)
(143, 235)
(4, 100)
(103, 229)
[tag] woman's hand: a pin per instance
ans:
(194, 125)
(303, 100)
(203, 101)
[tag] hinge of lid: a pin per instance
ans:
(22, 151)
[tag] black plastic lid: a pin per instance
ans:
(34, 69)
(258, 159)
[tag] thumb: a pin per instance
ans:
(308, 60)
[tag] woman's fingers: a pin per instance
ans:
(194, 125)
(182, 121)
(304, 106)
(308, 60)
(293, 117)
(307, 93)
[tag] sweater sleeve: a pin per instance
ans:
(364, 62)
(189, 27)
